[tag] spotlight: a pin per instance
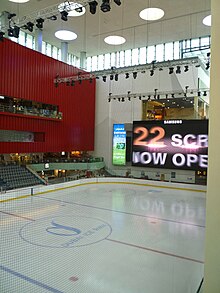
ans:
(29, 26)
(14, 32)
(204, 94)
(129, 98)
(127, 75)
(72, 82)
(105, 7)
(104, 78)
(122, 99)
(118, 2)
(207, 65)
(92, 7)
(199, 94)
(116, 77)
(135, 75)
(186, 68)
(140, 98)
(109, 100)
(151, 72)
(64, 15)
(172, 96)
(1, 36)
(52, 17)
(39, 23)
(171, 70)
(10, 32)
(111, 77)
(10, 15)
(178, 70)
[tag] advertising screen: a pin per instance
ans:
(119, 145)
(171, 144)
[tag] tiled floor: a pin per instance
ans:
(103, 238)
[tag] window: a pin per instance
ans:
(176, 50)
(107, 61)
(94, 63)
(43, 47)
(122, 59)
(143, 55)
(29, 41)
(150, 54)
(21, 39)
(48, 49)
(54, 52)
(128, 58)
(160, 52)
(169, 51)
(113, 61)
(100, 62)
(135, 56)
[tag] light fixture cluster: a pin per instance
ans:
(13, 29)
(160, 95)
(105, 5)
(208, 59)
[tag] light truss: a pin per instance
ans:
(138, 68)
(161, 95)
(49, 11)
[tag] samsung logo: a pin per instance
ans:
(173, 122)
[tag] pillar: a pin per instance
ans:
(83, 60)
(64, 51)
(39, 39)
(212, 237)
(4, 21)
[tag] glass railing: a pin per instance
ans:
(31, 111)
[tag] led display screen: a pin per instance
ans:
(171, 144)
(119, 145)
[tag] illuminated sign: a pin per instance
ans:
(119, 145)
(181, 144)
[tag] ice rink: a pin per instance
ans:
(104, 237)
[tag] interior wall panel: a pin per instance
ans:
(29, 75)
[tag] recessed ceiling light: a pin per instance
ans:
(114, 40)
(73, 9)
(65, 35)
(151, 14)
(207, 20)
(19, 1)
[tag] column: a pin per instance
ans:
(39, 39)
(83, 60)
(212, 238)
(64, 51)
(196, 105)
(4, 23)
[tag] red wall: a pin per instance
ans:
(27, 74)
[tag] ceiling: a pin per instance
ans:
(182, 20)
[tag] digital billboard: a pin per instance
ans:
(171, 144)
(119, 145)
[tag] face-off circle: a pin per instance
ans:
(65, 232)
